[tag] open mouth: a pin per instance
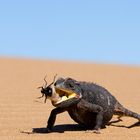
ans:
(65, 94)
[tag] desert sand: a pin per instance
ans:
(21, 111)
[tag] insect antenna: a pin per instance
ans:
(53, 80)
(45, 81)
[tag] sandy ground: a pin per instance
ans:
(20, 112)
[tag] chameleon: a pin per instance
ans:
(88, 104)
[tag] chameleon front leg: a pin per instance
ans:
(95, 109)
(52, 118)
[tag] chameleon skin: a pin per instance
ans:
(93, 109)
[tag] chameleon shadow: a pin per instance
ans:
(74, 127)
(137, 124)
(60, 128)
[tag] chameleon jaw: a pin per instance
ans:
(64, 94)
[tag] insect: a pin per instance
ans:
(47, 91)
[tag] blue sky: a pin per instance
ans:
(85, 30)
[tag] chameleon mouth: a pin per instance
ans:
(65, 94)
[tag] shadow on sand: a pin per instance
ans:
(75, 127)
(71, 127)
(131, 126)
(61, 128)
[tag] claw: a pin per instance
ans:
(94, 131)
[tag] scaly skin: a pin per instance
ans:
(93, 108)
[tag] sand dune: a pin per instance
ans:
(20, 111)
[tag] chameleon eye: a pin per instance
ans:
(71, 85)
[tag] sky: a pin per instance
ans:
(103, 31)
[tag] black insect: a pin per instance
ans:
(47, 91)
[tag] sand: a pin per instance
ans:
(20, 111)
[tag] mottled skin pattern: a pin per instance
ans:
(93, 107)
